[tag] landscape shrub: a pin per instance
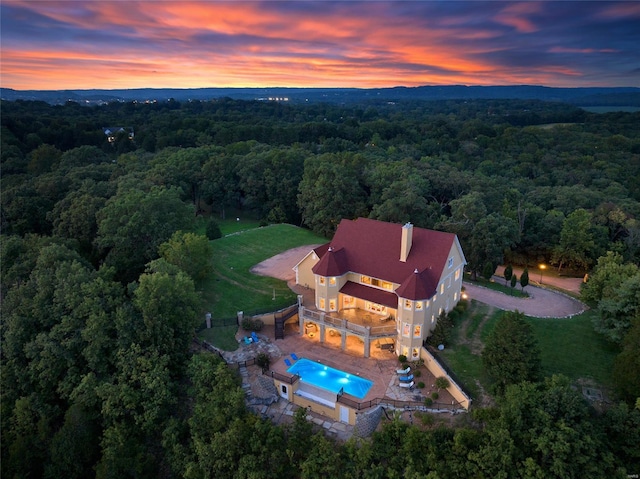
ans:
(425, 419)
(212, 230)
(417, 373)
(435, 395)
(402, 358)
(250, 324)
(420, 385)
(442, 382)
(263, 360)
(428, 402)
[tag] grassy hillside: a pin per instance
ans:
(232, 287)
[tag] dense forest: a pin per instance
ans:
(100, 275)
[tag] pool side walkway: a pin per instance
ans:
(379, 368)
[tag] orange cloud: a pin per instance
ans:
(112, 44)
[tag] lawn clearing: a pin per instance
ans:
(571, 347)
(568, 346)
(232, 287)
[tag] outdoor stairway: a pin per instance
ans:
(281, 318)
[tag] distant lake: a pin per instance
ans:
(609, 109)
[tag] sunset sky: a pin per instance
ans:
(54, 45)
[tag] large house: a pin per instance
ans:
(381, 282)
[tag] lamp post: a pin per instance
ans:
(542, 268)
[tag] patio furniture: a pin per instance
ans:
(287, 362)
(247, 340)
(406, 379)
(404, 371)
(254, 336)
(406, 385)
(294, 357)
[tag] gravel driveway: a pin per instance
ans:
(541, 303)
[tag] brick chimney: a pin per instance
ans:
(407, 238)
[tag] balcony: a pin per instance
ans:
(358, 322)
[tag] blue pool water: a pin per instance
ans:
(329, 378)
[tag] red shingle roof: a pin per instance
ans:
(378, 296)
(372, 248)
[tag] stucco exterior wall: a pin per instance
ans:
(304, 275)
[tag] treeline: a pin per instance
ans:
(100, 274)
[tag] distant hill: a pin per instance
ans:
(619, 96)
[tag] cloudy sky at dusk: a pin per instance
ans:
(181, 44)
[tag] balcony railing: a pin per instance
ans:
(343, 324)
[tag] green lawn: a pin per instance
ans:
(571, 347)
(568, 346)
(497, 286)
(232, 287)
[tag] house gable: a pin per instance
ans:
(373, 248)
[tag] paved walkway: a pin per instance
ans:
(541, 303)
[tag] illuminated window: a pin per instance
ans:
(433, 319)
(441, 288)
(457, 275)
(406, 329)
(365, 279)
(348, 302)
(321, 304)
(332, 281)
(418, 305)
(332, 305)
(455, 296)
(321, 280)
(415, 353)
(387, 285)
(375, 308)
(407, 304)
(416, 331)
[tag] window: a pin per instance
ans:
(348, 302)
(365, 279)
(406, 329)
(417, 329)
(441, 288)
(418, 305)
(375, 308)
(321, 280)
(449, 282)
(407, 304)
(321, 304)
(284, 388)
(332, 281)
(433, 319)
(455, 296)
(387, 285)
(332, 305)
(450, 263)
(457, 275)
(415, 353)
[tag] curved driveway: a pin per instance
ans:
(541, 303)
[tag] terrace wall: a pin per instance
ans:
(437, 370)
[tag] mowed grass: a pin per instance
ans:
(571, 347)
(463, 359)
(568, 346)
(232, 287)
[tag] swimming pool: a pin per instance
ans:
(326, 377)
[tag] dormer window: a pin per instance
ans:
(332, 281)
(450, 263)
(321, 280)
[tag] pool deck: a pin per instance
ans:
(380, 367)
